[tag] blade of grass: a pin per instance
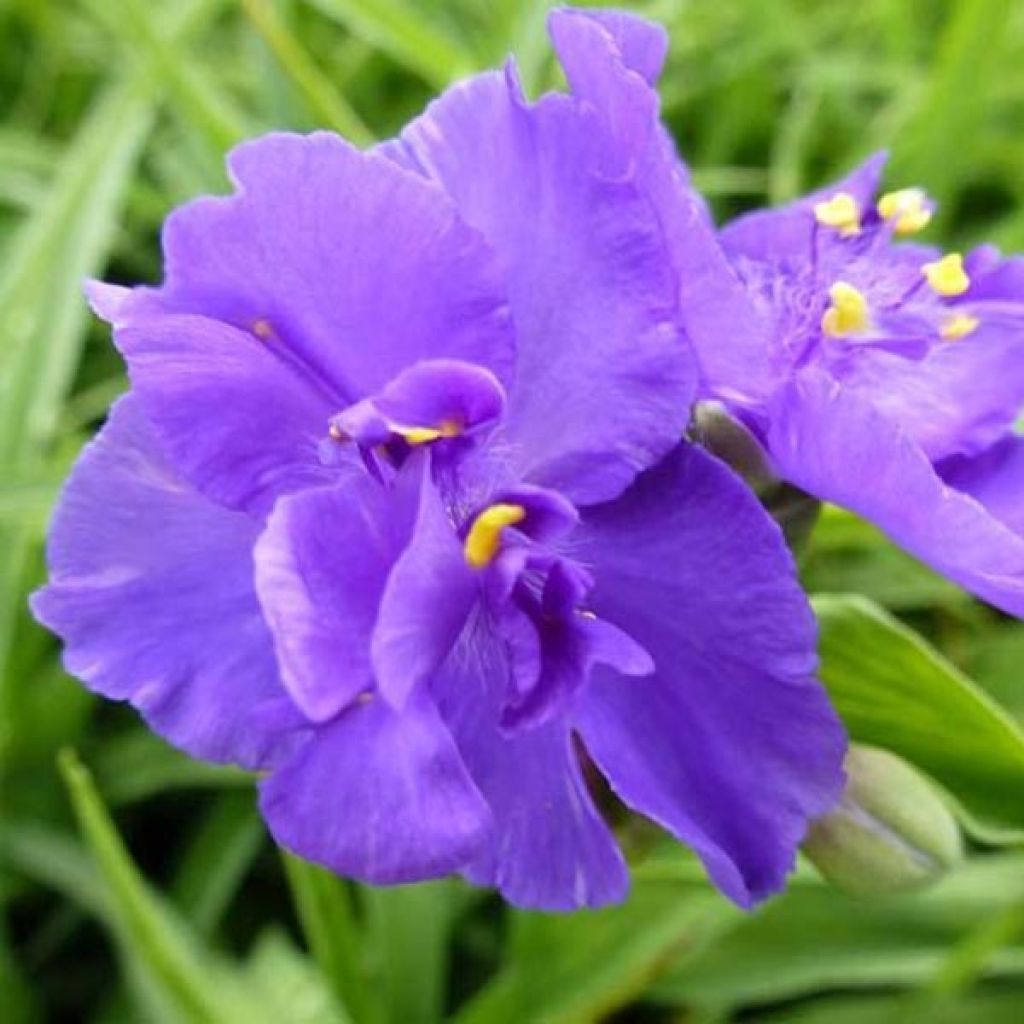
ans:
(409, 929)
(217, 860)
(43, 317)
(325, 102)
(196, 95)
(327, 915)
(955, 98)
(175, 977)
(405, 34)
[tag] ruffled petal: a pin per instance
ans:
(234, 412)
(995, 478)
(151, 591)
(549, 849)
(354, 267)
(731, 744)
(962, 397)
(611, 60)
(592, 290)
(641, 45)
(837, 447)
(378, 796)
(322, 565)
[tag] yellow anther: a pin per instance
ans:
(907, 208)
(947, 276)
(424, 435)
(337, 434)
(419, 435)
(841, 212)
(263, 330)
(959, 326)
(484, 535)
(848, 313)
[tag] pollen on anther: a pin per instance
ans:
(484, 537)
(336, 433)
(263, 330)
(907, 208)
(841, 212)
(424, 435)
(947, 275)
(960, 325)
(848, 313)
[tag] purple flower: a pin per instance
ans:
(397, 509)
(891, 374)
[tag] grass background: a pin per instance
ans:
(114, 111)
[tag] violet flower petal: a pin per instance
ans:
(378, 796)
(611, 60)
(832, 444)
(590, 285)
(151, 591)
(322, 565)
(994, 478)
(731, 744)
(353, 266)
(428, 596)
(549, 848)
(233, 415)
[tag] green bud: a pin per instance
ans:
(890, 832)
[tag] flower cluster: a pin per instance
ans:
(399, 510)
(894, 376)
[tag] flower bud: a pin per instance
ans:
(890, 832)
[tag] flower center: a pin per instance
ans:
(430, 401)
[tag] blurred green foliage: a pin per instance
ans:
(112, 112)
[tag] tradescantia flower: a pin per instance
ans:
(397, 512)
(891, 374)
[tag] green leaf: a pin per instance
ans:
(217, 859)
(138, 764)
(324, 100)
(970, 56)
(563, 969)
(296, 991)
(406, 33)
(175, 978)
(813, 938)
(893, 690)
(326, 912)
(408, 930)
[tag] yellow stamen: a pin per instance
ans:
(263, 330)
(484, 535)
(959, 326)
(848, 313)
(337, 433)
(908, 208)
(947, 276)
(424, 435)
(840, 212)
